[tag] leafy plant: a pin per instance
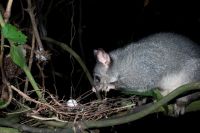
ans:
(13, 34)
(17, 39)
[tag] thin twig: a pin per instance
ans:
(34, 25)
(32, 100)
(42, 75)
(72, 33)
(84, 95)
(8, 11)
(10, 95)
(44, 118)
(30, 61)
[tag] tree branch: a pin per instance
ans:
(132, 117)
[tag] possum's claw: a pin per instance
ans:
(179, 109)
(183, 102)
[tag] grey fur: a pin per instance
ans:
(145, 64)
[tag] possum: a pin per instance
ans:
(162, 60)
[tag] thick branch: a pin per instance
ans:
(142, 113)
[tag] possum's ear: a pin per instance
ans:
(102, 57)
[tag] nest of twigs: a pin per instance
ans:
(94, 110)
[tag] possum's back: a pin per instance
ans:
(164, 60)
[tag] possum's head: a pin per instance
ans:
(104, 78)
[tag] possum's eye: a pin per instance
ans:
(96, 79)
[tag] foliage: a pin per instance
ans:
(13, 34)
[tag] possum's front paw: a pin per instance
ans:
(103, 88)
(183, 102)
(179, 107)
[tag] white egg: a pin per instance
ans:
(72, 103)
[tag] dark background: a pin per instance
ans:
(110, 24)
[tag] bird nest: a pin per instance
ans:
(94, 110)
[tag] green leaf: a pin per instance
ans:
(13, 34)
(17, 55)
(2, 102)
